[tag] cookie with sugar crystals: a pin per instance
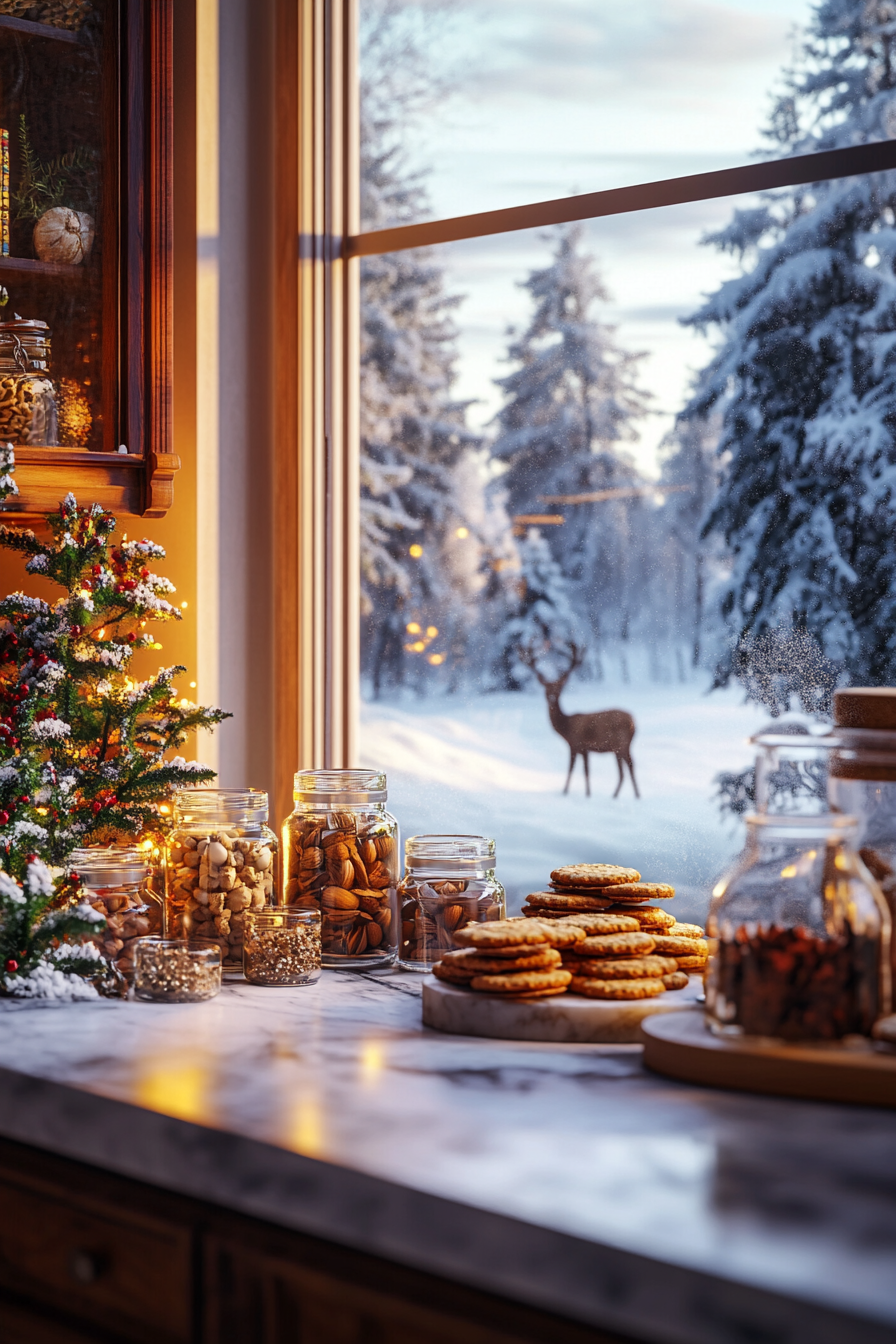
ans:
(568, 902)
(501, 933)
(668, 946)
(691, 963)
(652, 891)
(471, 961)
(617, 989)
(597, 922)
(685, 931)
(593, 875)
(627, 968)
(647, 916)
(616, 945)
(524, 982)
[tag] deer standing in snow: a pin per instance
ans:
(606, 730)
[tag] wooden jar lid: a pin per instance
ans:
(866, 707)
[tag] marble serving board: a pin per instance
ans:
(566, 1018)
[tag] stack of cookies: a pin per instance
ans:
(511, 957)
(640, 932)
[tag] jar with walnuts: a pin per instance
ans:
(340, 856)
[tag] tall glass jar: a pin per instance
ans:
(117, 879)
(222, 860)
(862, 780)
(340, 855)
(449, 881)
(799, 935)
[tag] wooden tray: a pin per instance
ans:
(683, 1047)
(567, 1018)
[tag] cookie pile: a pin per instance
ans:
(511, 957)
(633, 949)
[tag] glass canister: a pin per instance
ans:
(799, 935)
(862, 780)
(176, 970)
(118, 886)
(340, 856)
(281, 946)
(222, 860)
(791, 772)
(449, 881)
(28, 412)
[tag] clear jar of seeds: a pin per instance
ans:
(340, 856)
(223, 860)
(118, 887)
(281, 946)
(449, 881)
(176, 970)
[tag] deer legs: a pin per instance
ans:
(587, 775)
(621, 777)
(631, 770)
(572, 760)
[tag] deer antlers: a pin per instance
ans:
(574, 653)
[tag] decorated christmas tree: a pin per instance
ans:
(84, 747)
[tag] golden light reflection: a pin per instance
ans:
(372, 1063)
(463, 533)
(841, 862)
(432, 631)
(179, 1089)
(415, 551)
(720, 888)
(413, 627)
(306, 1131)
(789, 871)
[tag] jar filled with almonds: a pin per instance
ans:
(340, 855)
(117, 879)
(449, 881)
(223, 859)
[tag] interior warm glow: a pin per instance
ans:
(372, 1062)
(306, 1131)
(180, 1089)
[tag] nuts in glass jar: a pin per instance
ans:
(215, 879)
(432, 911)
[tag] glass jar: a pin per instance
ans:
(340, 856)
(791, 772)
(799, 935)
(862, 780)
(449, 881)
(27, 394)
(176, 970)
(281, 946)
(118, 887)
(222, 860)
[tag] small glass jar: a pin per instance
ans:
(222, 860)
(27, 394)
(799, 935)
(118, 887)
(176, 970)
(449, 881)
(281, 946)
(340, 856)
(792, 772)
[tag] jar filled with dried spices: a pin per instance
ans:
(281, 946)
(340, 856)
(176, 970)
(118, 887)
(222, 860)
(799, 935)
(449, 881)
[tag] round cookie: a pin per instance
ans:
(539, 994)
(677, 980)
(685, 931)
(648, 916)
(691, 963)
(652, 891)
(593, 875)
(452, 975)
(520, 984)
(563, 933)
(668, 946)
(617, 989)
(617, 945)
(569, 902)
(500, 933)
(473, 962)
(598, 922)
(629, 968)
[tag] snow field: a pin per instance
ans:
(493, 765)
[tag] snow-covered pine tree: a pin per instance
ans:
(805, 374)
(571, 403)
(542, 615)
(690, 473)
(413, 431)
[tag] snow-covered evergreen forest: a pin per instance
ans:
(772, 508)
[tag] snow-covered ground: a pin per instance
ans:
(492, 765)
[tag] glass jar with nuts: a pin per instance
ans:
(340, 856)
(449, 881)
(223, 860)
(117, 879)
(281, 947)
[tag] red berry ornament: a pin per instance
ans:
(12, 965)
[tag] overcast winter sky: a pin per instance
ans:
(556, 96)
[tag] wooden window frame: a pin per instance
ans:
(318, 246)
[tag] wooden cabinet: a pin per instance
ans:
(85, 248)
(89, 1257)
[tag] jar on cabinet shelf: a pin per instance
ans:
(117, 880)
(449, 881)
(222, 860)
(799, 935)
(340, 856)
(27, 394)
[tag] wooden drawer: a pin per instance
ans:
(127, 1273)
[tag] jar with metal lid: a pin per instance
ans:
(28, 412)
(222, 860)
(862, 779)
(340, 855)
(118, 887)
(799, 935)
(449, 881)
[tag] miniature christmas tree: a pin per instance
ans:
(83, 746)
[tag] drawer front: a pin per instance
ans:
(130, 1275)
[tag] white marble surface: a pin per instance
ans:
(564, 1176)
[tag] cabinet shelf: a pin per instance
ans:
(29, 29)
(126, 484)
(26, 267)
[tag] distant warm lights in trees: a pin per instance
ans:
(432, 631)
(419, 646)
(413, 627)
(436, 659)
(462, 533)
(415, 551)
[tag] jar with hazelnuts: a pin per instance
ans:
(340, 856)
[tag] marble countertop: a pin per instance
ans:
(562, 1176)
